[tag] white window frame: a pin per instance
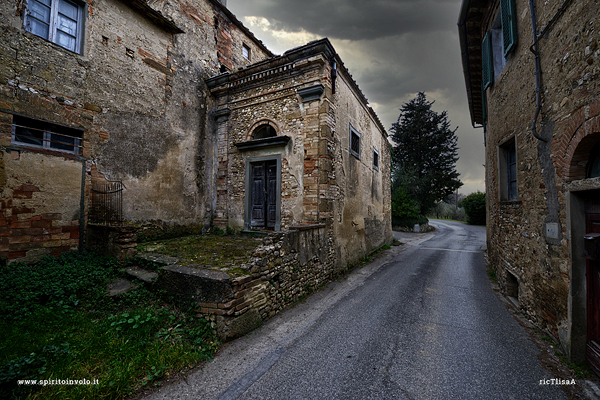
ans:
(375, 159)
(354, 132)
(54, 17)
(246, 51)
(48, 130)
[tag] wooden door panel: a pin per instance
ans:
(258, 195)
(271, 203)
(592, 225)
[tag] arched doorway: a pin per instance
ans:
(263, 176)
(583, 222)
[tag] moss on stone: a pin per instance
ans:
(223, 253)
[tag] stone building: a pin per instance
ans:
(147, 114)
(299, 125)
(532, 78)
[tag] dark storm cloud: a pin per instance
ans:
(353, 19)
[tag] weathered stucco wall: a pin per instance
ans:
(363, 209)
(522, 247)
(137, 91)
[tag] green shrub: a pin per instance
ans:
(56, 283)
(409, 222)
(56, 321)
(474, 205)
(403, 207)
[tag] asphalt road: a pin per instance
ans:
(421, 322)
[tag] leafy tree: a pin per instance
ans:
(474, 205)
(425, 155)
(403, 206)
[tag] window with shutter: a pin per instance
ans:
(509, 25)
(486, 61)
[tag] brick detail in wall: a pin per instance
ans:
(577, 142)
(22, 229)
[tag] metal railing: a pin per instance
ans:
(106, 206)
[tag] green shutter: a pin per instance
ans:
(509, 25)
(487, 67)
(483, 108)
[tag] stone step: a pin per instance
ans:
(141, 274)
(119, 286)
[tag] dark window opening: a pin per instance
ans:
(223, 69)
(593, 167)
(354, 142)
(375, 159)
(29, 132)
(511, 170)
(264, 131)
(508, 171)
(246, 52)
(512, 288)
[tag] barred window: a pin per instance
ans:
(354, 142)
(28, 132)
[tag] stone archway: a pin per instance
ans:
(261, 125)
(577, 153)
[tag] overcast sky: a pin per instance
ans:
(393, 49)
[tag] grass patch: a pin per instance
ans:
(492, 273)
(210, 251)
(58, 324)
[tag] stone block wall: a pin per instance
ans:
(284, 268)
(518, 243)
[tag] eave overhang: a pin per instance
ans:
(470, 36)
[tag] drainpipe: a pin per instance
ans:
(538, 72)
(82, 243)
(534, 50)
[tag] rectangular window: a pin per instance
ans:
(246, 52)
(375, 159)
(354, 142)
(59, 21)
(508, 171)
(33, 133)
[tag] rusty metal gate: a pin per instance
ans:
(106, 207)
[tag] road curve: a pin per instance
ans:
(421, 322)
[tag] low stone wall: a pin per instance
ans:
(285, 267)
(423, 228)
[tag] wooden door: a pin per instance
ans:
(271, 203)
(592, 225)
(263, 192)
